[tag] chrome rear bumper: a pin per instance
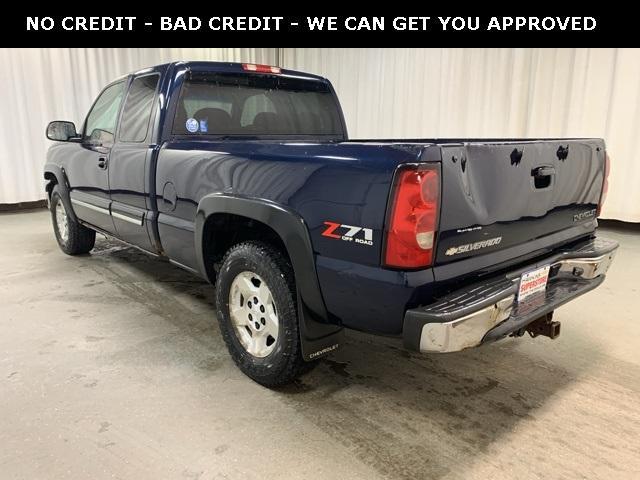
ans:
(488, 311)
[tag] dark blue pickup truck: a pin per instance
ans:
(244, 174)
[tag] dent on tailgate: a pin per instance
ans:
(500, 195)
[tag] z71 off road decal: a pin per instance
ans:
(348, 233)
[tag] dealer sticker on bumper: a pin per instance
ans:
(533, 282)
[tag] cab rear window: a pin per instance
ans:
(256, 105)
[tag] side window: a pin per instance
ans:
(138, 108)
(253, 106)
(103, 117)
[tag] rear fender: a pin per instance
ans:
(318, 335)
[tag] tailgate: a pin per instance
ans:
(504, 200)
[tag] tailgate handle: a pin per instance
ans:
(542, 176)
(543, 171)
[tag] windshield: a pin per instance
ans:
(256, 105)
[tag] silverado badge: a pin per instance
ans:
(469, 247)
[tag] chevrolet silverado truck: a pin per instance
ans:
(244, 175)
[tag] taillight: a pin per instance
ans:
(605, 183)
(252, 67)
(413, 220)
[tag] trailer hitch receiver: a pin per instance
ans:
(544, 326)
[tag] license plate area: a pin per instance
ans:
(533, 281)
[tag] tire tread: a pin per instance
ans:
(292, 365)
(81, 239)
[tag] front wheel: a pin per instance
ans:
(256, 303)
(73, 237)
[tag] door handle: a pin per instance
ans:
(102, 162)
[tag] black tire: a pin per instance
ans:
(79, 239)
(284, 363)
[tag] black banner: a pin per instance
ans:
(126, 27)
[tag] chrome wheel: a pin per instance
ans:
(253, 314)
(62, 221)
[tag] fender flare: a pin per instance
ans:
(318, 334)
(63, 184)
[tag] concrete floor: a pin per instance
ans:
(112, 366)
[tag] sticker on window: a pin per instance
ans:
(192, 125)
(204, 126)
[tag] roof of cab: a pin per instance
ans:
(235, 67)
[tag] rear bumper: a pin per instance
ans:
(489, 310)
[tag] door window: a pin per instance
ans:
(101, 122)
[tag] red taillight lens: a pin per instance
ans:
(252, 67)
(605, 183)
(413, 221)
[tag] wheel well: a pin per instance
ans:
(52, 181)
(223, 230)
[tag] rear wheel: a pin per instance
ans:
(73, 238)
(256, 302)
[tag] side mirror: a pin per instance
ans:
(61, 131)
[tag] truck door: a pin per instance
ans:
(130, 162)
(88, 165)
